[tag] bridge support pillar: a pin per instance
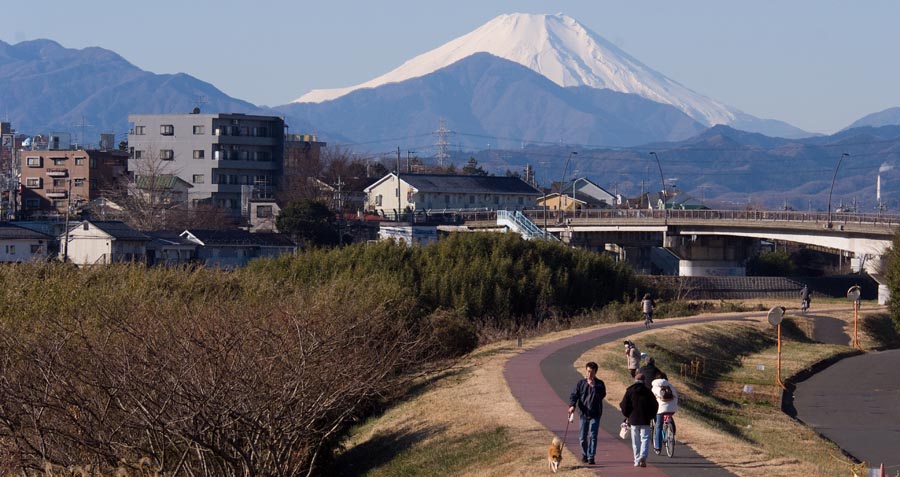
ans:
(710, 255)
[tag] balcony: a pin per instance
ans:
(57, 193)
(57, 172)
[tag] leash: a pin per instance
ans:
(568, 420)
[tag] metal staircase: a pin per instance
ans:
(519, 223)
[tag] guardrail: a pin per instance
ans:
(538, 216)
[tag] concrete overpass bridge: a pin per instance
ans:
(707, 242)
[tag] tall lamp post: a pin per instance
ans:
(828, 225)
(563, 179)
(663, 182)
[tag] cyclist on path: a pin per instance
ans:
(668, 404)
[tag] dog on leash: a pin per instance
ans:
(554, 454)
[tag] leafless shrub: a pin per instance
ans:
(252, 382)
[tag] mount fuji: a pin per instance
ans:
(568, 54)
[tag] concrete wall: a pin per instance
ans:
(19, 250)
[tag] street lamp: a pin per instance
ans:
(828, 225)
(663, 182)
(563, 179)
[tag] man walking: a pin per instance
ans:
(587, 397)
(639, 407)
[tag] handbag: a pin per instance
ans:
(623, 431)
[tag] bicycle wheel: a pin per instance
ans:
(670, 439)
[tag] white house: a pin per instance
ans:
(19, 244)
(99, 242)
(437, 192)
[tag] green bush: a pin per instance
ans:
(777, 263)
(450, 334)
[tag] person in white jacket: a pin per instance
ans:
(667, 405)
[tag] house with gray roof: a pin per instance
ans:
(101, 242)
(439, 192)
(235, 248)
(168, 249)
(20, 244)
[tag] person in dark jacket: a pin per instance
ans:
(587, 397)
(649, 371)
(639, 407)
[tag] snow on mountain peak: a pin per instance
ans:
(559, 48)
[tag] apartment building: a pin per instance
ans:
(52, 180)
(227, 158)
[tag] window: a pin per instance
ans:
(33, 182)
(36, 248)
(471, 199)
(263, 156)
(79, 182)
(198, 178)
(264, 212)
(59, 161)
(11, 249)
(167, 130)
(94, 162)
(32, 203)
(57, 183)
(198, 130)
(33, 161)
(59, 204)
(378, 199)
(166, 154)
(199, 153)
(139, 130)
(263, 131)
(79, 161)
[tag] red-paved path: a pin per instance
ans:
(542, 378)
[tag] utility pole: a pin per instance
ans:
(340, 207)
(399, 207)
(68, 208)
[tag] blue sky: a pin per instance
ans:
(818, 64)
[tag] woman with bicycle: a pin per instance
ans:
(667, 398)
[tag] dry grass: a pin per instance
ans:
(472, 400)
(475, 399)
(746, 433)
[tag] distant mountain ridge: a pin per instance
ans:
(45, 87)
(483, 96)
(567, 53)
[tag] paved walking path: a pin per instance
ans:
(856, 404)
(542, 378)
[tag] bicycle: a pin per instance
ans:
(667, 436)
(647, 320)
(804, 305)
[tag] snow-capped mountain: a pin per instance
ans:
(567, 53)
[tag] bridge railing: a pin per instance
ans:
(556, 217)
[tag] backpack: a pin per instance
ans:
(665, 393)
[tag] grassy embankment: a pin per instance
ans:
(720, 416)
(467, 423)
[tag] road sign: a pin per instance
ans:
(776, 314)
(853, 293)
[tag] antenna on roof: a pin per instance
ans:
(199, 101)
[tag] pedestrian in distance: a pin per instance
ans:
(649, 371)
(639, 407)
(633, 356)
(667, 399)
(587, 397)
(804, 298)
(647, 306)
